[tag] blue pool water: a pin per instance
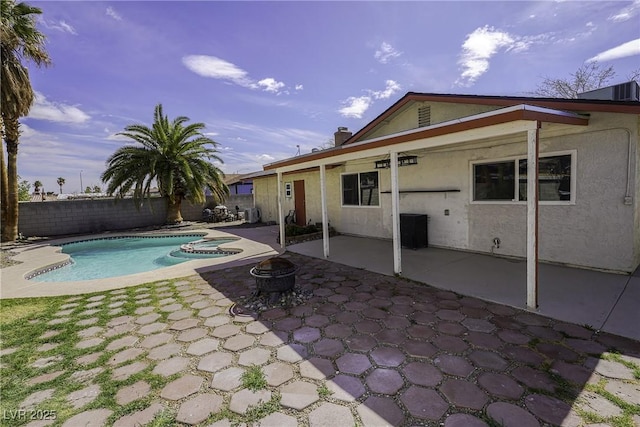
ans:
(103, 258)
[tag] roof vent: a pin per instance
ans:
(629, 91)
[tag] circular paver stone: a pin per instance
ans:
(198, 409)
(330, 415)
(509, 415)
(463, 420)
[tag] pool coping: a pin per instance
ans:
(41, 255)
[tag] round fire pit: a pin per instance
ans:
(274, 275)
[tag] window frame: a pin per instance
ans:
(516, 161)
(359, 205)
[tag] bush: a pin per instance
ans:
(298, 230)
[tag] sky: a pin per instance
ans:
(273, 79)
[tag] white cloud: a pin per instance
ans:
(480, 46)
(46, 110)
(355, 106)
(217, 68)
(630, 48)
(265, 157)
(626, 13)
(386, 52)
(299, 87)
(392, 87)
(61, 26)
(271, 85)
(112, 13)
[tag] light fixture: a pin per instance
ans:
(407, 160)
(383, 164)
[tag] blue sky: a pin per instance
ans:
(266, 77)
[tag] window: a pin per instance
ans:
(554, 178)
(287, 190)
(494, 181)
(360, 189)
(506, 180)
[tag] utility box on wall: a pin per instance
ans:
(413, 231)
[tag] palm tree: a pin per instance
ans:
(36, 186)
(175, 156)
(20, 40)
(61, 182)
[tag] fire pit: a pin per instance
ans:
(274, 275)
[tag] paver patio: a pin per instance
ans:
(365, 349)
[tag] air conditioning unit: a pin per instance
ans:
(629, 91)
(252, 215)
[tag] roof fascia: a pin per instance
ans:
(579, 105)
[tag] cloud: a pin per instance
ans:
(271, 85)
(112, 13)
(355, 107)
(626, 13)
(61, 26)
(299, 87)
(386, 52)
(265, 157)
(481, 45)
(46, 110)
(630, 48)
(392, 87)
(217, 68)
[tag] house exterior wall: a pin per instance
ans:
(440, 112)
(597, 230)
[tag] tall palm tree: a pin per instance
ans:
(20, 40)
(36, 186)
(174, 155)
(61, 182)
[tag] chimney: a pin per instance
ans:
(341, 135)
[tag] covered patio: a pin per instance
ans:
(603, 301)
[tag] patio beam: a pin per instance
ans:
(283, 242)
(381, 149)
(325, 216)
(532, 217)
(395, 213)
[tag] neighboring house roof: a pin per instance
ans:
(235, 178)
(551, 110)
(260, 174)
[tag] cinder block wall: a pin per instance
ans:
(66, 217)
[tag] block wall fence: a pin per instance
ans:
(68, 217)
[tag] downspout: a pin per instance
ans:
(325, 216)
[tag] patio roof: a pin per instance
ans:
(500, 122)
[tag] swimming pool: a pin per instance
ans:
(124, 255)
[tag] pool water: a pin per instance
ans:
(104, 258)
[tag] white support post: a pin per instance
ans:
(395, 212)
(532, 218)
(325, 216)
(280, 212)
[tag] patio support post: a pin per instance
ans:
(395, 212)
(532, 217)
(280, 212)
(325, 216)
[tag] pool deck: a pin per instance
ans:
(36, 256)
